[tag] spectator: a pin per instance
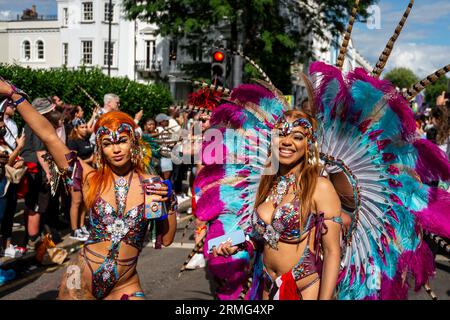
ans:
(59, 104)
(111, 102)
(38, 195)
(166, 133)
(12, 131)
(149, 126)
(70, 114)
(79, 142)
(60, 201)
(439, 131)
(8, 195)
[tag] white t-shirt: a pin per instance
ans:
(173, 125)
(12, 133)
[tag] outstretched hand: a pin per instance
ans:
(138, 116)
(441, 100)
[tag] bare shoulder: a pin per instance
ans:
(326, 198)
(324, 186)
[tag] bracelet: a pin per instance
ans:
(169, 187)
(19, 101)
(162, 218)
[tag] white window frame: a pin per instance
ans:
(22, 50)
(83, 52)
(65, 53)
(150, 53)
(105, 53)
(37, 50)
(84, 12)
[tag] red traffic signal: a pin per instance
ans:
(218, 56)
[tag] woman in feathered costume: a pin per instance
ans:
(367, 133)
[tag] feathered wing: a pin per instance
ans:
(233, 167)
(150, 152)
(368, 131)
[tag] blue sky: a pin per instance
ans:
(423, 46)
(10, 8)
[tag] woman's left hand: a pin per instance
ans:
(159, 189)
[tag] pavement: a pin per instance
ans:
(158, 272)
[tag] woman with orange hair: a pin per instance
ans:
(114, 194)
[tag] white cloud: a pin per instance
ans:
(422, 59)
(7, 15)
(429, 13)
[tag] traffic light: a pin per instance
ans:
(219, 67)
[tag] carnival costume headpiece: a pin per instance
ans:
(114, 136)
(367, 131)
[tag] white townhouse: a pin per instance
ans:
(79, 36)
(30, 43)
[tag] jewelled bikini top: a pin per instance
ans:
(107, 225)
(285, 224)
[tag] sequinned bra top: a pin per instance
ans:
(107, 226)
(285, 224)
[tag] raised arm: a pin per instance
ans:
(40, 126)
(327, 201)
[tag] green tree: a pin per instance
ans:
(401, 77)
(274, 33)
(436, 89)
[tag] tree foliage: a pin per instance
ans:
(436, 89)
(274, 33)
(64, 83)
(403, 78)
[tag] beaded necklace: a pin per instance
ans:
(281, 188)
(121, 188)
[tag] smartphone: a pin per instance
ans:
(153, 209)
(236, 237)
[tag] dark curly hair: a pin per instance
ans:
(441, 114)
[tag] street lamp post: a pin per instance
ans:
(109, 37)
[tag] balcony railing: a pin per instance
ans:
(148, 66)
